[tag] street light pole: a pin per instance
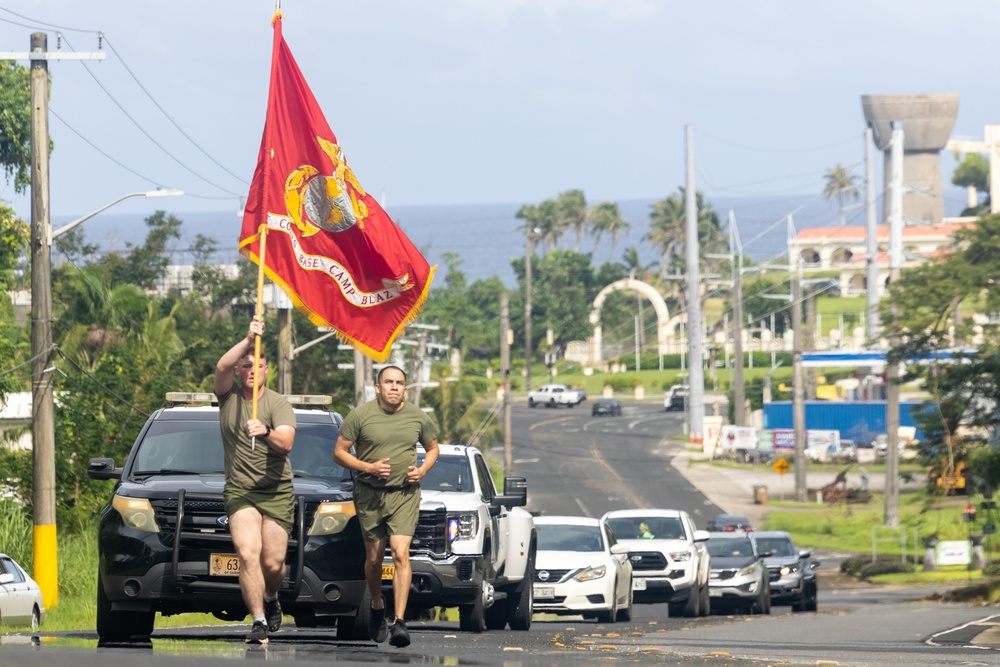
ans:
(529, 250)
(46, 564)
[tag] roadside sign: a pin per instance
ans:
(780, 466)
(989, 529)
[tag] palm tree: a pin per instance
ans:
(573, 208)
(841, 184)
(667, 231)
(551, 222)
(461, 419)
(606, 218)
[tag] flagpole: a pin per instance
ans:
(262, 232)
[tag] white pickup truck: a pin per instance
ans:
(474, 548)
(670, 562)
(554, 395)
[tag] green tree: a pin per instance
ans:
(573, 210)
(974, 171)
(606, 218)
(841, 185)
(461, 419)
(14, 236)
(146, 265)
(668, 232)
(15, 123)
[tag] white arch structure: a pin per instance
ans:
(664, 325)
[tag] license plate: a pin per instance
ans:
(545, 592)
(388, 572)
(714, 593)
(638, 584)
(224, 565)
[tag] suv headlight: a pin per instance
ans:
(591, 573)
(464, 526)
(749, 569)
(331, 518)
(788, 569)
(680, 556)
(136, 513)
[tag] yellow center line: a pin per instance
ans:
(548, 421)
(634, 499)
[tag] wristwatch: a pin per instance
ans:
(266, 433)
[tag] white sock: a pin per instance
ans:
(270, 598)
(259, 618)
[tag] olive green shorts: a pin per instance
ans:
(277, 502)
(383, 512)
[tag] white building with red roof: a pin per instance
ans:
(845, 250)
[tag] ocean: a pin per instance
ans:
(487, 236)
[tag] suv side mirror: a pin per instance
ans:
(6, 578)
(701, 536)
(103, 469)
(515, 492)
(805, 553)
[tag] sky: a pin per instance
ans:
(448, 102)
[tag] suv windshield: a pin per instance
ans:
(195, 447)
(776, 546)
(450, 473)
(728, 547)
(650, 528)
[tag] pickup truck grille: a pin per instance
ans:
(201, 525)
(647, 560)
(431, 535)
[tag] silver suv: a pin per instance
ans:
(793, 571)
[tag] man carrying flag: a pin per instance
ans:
(314, 231)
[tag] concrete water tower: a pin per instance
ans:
(927, 120)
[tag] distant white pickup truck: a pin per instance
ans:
(554, 395)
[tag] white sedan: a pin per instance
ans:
(20, 597)
(580, 570)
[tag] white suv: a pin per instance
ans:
(670, 562)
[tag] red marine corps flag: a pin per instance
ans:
(321, 237)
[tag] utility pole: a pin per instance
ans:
(891, 514)
(739, 389)
(696, 374)
(871, 265)
(417, 371)
(505, 336)
(810, 341)
(529, 250)
(362, 377)
(798, 383)
(284, 346)
(44, 536)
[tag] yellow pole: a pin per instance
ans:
(260, 313)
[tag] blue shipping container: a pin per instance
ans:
(857, 421)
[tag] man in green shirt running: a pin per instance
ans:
(384, 434)
(258, 496)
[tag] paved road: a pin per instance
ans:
(576, 464)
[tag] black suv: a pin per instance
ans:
(164, 541)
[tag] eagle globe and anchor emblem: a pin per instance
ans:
(316, 201)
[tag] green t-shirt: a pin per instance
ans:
(263, 467)
(378, 435)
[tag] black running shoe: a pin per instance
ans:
(377, 628)
(399, 635)
(272, 612)
(258, 633)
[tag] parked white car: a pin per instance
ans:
(581, 570)
(669, 560)
(20, 597)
